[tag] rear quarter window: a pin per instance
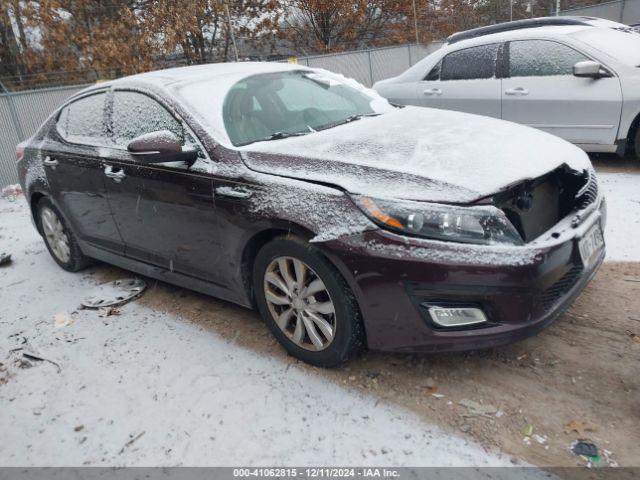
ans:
(84, 121)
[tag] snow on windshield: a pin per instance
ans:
(623, 45)
(275, 105)
(206, 96)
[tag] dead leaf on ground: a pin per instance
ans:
(430, 386)
(108, 311)
(62, 320)
(634, 336)
(577, 426)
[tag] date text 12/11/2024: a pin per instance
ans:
(320, 472)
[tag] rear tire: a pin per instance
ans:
(306, 303)
(636, 144)
(59, 238)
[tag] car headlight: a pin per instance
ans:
(482, 224)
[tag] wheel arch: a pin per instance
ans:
(261, 238)
(631, 135)
(33, 205)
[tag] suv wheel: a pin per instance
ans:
(60, 240)
(306, 303)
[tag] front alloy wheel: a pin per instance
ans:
(306, 302)
(299, 302)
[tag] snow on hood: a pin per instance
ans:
(418, 154)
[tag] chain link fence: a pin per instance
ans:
(369, 66)
(21, 113)
(623, 11)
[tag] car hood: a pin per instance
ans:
(419, 154)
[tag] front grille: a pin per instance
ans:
(589, 193)
(551, 296)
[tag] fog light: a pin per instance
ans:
(457, 317)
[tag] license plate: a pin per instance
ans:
(591, 244)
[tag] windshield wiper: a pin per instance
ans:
(281, 135)
(358, 116)
(349, 119)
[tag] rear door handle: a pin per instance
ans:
(50, 162)
(232, 192)
(519, 92)
(432, 91)
(114, 173)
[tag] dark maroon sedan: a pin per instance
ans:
(348, 222)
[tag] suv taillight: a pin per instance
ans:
(19, 152)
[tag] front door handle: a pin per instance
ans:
(232, 192)
(519, 92)
(114, 173)
(50, 162)
(432, 91)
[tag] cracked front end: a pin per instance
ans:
(423, 294)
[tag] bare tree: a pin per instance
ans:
(327, 25)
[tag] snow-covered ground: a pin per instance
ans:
(147, 388)
(622, 234)
(195, 398)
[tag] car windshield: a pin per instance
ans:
(272, 106)
(623, 45)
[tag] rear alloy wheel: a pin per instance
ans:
(306, 303)
(54, 235)
(59, 239)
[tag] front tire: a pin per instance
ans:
(306, 303)
(636, 144)
(59, 238)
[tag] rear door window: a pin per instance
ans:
(84, 121)
(542, 58)
(470, 63)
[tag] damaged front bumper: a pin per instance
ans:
(520, 289)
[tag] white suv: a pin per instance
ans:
(575, 77)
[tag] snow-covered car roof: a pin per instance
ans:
(209, 84)
(553, 31)
(203, 88)
(543, 27)
(211, 71)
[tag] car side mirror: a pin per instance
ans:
(590, 69)
(160, 147)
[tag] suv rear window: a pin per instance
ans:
(470, 63)
(84, 121)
